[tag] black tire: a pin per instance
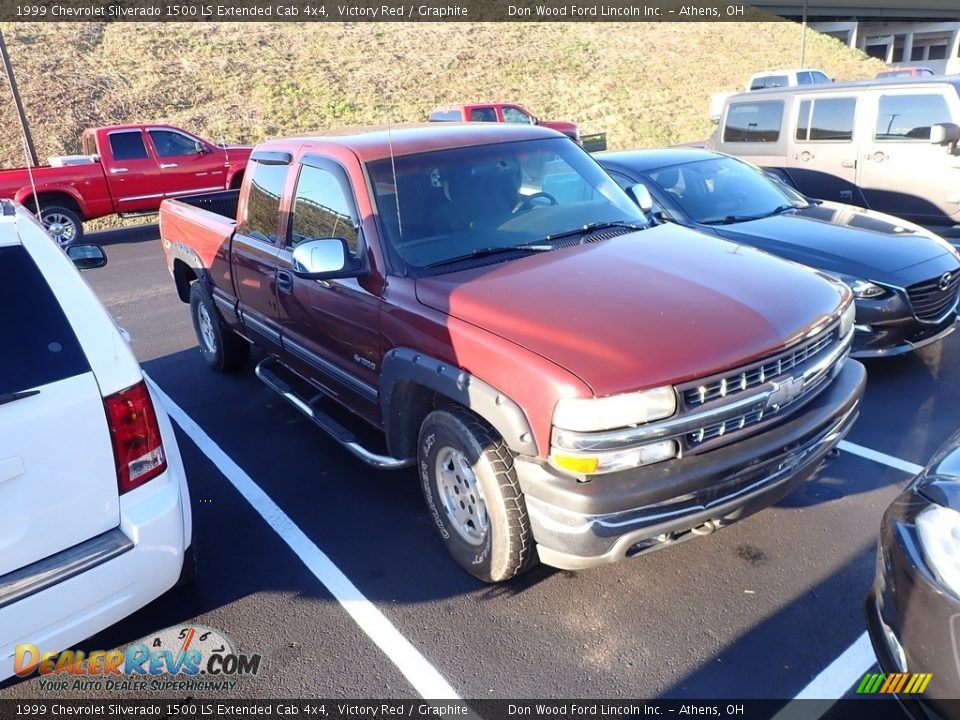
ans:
(500, 548)
(62, 224)
(223, 349)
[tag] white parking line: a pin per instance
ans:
(883, 458)
(414, 667)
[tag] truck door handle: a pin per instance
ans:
(165, 166)
(284, 281)
(876, 157)
(848, 163)
(117, 171)
(805, 156)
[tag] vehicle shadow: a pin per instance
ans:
(124, 235)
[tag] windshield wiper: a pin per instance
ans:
(496, 250)
(730, 219)
(590, 227)
(10, 397)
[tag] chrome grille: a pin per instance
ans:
(930, 302)
(755, 375)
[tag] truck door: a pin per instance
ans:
(187, 164)
(330, 327)
(254, 248)
(133, 174)
(822, 158)
(901, 173)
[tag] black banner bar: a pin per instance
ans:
(878, 708)
(467, 10)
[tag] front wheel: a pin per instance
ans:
(62, 224)
(222, 348)
(470, 485)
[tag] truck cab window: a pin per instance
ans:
(172, 144)
(754, 122)
(128, 145)
(322, 209)
(263, 201)
(483, 114)
(514, 115)
(909, 116)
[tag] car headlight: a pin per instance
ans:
(615, 411)
(939, 530)
(847, 319)
(575, 419)
(864, 289)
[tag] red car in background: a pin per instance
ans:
(501, 113)
(905, 72)
(125, 170)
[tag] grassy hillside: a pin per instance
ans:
(643, 83)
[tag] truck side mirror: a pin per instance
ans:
(325, 258)
(945, 134)
(641, 196)
(87, 257)
(200, 148)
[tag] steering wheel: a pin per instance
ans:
(526, 202)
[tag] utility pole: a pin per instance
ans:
(803, 36)
(27, 137)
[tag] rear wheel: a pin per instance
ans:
(223, 349)
(470, 485)
(62, 224)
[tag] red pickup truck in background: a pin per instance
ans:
(501, 113)
(125, 170)
(573, 383)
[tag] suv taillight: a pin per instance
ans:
(137, 445)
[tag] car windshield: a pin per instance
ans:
(722, 190)
(441, 206)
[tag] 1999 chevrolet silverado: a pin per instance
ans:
(573, 385)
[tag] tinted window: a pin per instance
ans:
(819, 77)
(263, 202)
(446, 115)
(127, 145)
(321, 209)
(513, 115)
(754, 122)
(172, 144)
(804, 78)
(39, 346)
(909, 117)
(826, 119)
(487, 114)
(775, 81)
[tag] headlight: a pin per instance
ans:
(864, 289)
(615, 411)
(847, 319)
(939, 530)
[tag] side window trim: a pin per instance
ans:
(143, 142)
(811, 102)
(174, 131)
(243, 228)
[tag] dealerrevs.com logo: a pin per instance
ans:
(179, 658)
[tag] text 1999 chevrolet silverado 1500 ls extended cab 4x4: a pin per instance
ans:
(126, 170)
(572, 385)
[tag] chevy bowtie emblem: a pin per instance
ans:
(784, 392)
(945, 281)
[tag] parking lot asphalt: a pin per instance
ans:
(756, 610)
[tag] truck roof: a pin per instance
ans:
(856, 85)
(375, 143)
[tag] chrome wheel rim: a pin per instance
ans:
(206, 329)
(60, 228)
(461, 496)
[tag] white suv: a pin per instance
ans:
(94, 510)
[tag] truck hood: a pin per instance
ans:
(655, 307)
(842, 239)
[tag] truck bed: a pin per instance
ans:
(201, 224)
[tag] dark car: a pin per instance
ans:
(913, 609)
(906, 280)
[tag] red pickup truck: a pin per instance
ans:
(125, 170)
(573, 383)
(501, 113)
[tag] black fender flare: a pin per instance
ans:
(503, 413)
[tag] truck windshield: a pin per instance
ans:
(468, 201)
